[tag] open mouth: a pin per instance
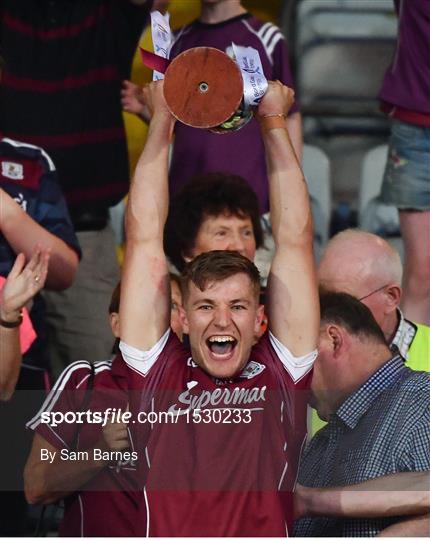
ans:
(221, 346)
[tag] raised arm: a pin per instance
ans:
(293, 306)
(145, 286)
(295, 131)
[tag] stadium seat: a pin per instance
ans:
(343, 48)
(316, 167)
(343, 78)
(337, 19)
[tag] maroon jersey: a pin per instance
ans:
(224, 462)
(107, 505)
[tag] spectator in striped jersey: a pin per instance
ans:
(33, 211)
(63, 96)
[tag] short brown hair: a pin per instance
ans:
(216, 266)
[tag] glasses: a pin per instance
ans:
(373, 292)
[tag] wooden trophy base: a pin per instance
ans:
(203, 87)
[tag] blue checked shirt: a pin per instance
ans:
(383, 428)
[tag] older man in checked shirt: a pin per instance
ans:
(378, 414)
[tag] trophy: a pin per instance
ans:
(204, 87)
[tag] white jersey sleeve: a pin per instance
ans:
(142, 361)
(297, 366)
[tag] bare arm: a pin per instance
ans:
(46, 482)
(22, 284)
(23, 233)
(293, 295)
(400, 494)
(145, 285)
(294, 126)
(10, 361)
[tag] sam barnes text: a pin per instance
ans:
(84, 455)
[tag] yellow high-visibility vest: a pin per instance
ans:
(419, 351)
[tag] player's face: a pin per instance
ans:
(226, 232)
(222, 322)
